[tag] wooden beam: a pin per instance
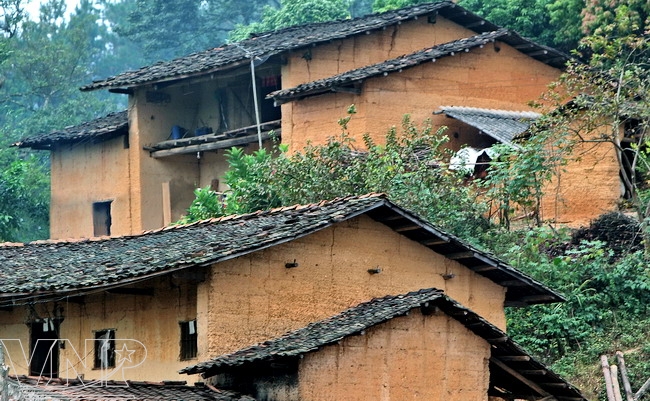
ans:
(497, 340)
(434, 241)
(131, 291)
(534, 372)
(555, 385)
(513, 283)
(460, 255)
(538, 298)
(225, 144)
(483, 268)
(410, 227)
(519, 377)
(513, 358)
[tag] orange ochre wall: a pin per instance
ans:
(587, 186)
(411, 357)
(148, 325)
(255, 297)
(85, 173)
(504, 79)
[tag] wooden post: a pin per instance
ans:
(629, 395)
(642, 390)
(615, 385)
(608, 378)
(4, 386)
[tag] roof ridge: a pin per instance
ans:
(213, 220)
(395, 64)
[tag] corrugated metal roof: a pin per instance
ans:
(502, 125)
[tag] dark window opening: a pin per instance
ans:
(633, 133)
(102, 218)
(104, 349)
(268, 110)
(44, 342)
(188, 340)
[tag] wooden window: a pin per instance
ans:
(104, 349)
(44, 341)
(188, 340)
(102, 218)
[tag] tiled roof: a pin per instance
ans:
(39, 389)
(504, 352)
(97, 130)
(356, 76)
(276, 42)
(502, 125)
(45, 270)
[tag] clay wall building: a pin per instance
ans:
(230, 283)
(418, 345)
(137, 169)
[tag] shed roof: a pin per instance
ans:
(509, 363)
(502, 125)
(46, 270)
(93, 131)
(356, 76)
(38, 389)
(276, 42)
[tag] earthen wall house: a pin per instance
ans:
(241, 280)
(135, 171)
(417, 345)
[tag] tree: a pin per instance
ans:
(610, 94)
(293, 12)
(164, 29)
(44, 64)
(410, 168)
(380, 6)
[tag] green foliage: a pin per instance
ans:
(24, 199)
(409, 167)
(548, 22)
(517, 179)
(293, 12)
(606, 298)
(380, 6)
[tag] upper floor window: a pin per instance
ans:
(102, 218)
(188, 340)
(104, 349)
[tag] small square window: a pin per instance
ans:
(105, 349)
(188, 340)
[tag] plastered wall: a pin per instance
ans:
(412, 357)
(587, 186)
(148, 325)
(484, 77)
(85, 173)
(255, 297)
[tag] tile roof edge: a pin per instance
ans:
(214, 220)
(327, 83)
(109, 81)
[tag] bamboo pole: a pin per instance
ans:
(629, 395)
(608, 378)
(615, 385)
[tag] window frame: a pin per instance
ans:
(188, 344)
(97, 362)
